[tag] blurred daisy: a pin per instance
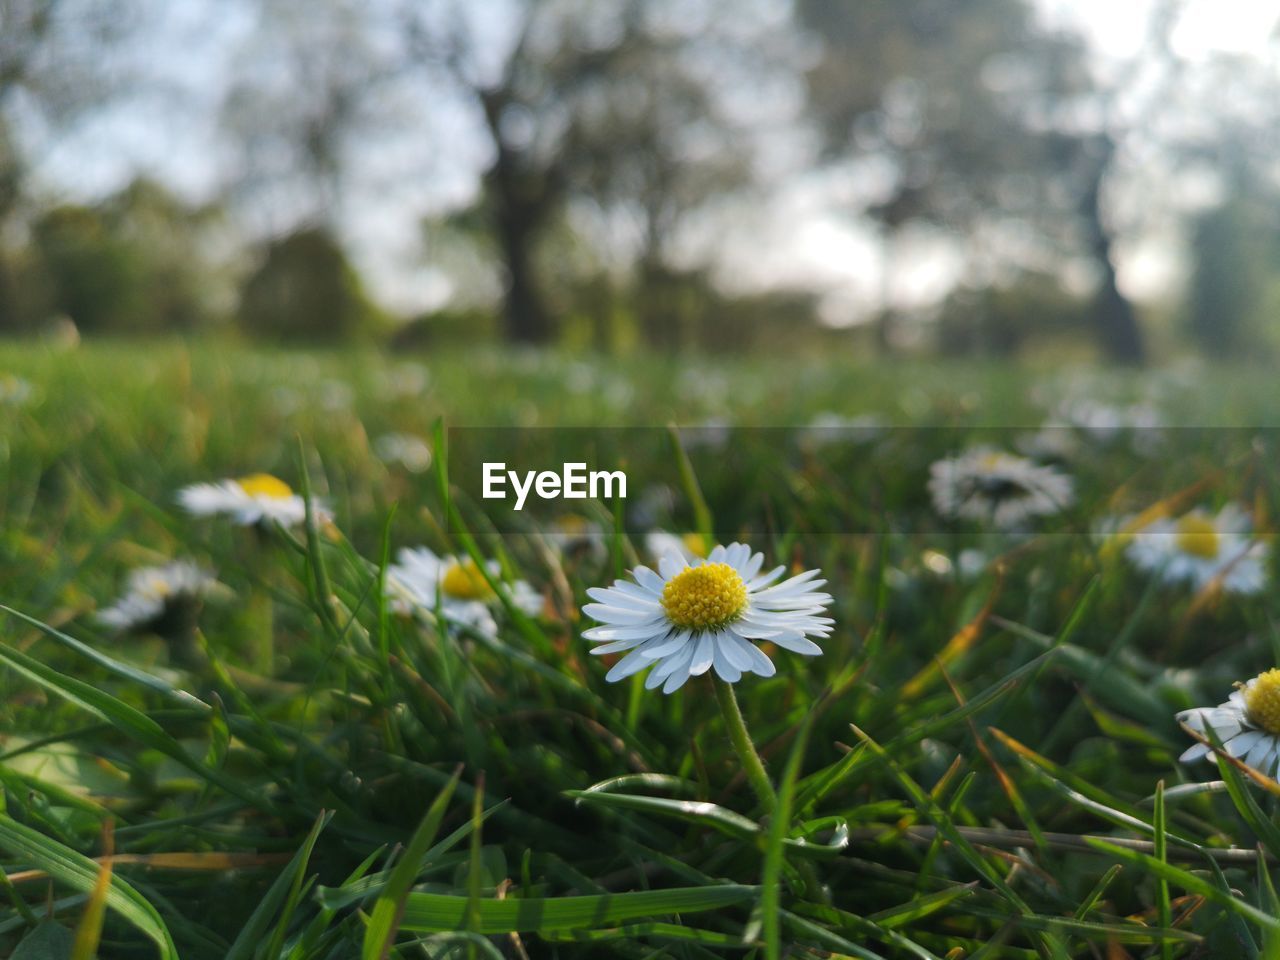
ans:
(1199, 548)
(692, 616)
(688, 546)
(336, 396)
(420, 581)
(403, 449)
(258, 498)
(574, 536)
(986, 484)
(1104, 421)
(967, 564)
(154, 593)
(1247, 724)
(712, 433)
(833, 428)
(405, 381)
(14, 390)
(1050, 444)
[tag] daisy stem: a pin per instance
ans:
(751, 761)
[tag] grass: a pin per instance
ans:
(982, 763)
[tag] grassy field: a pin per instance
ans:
(982, 763)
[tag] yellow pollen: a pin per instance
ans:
(157, 588)
(265, 485)
(709, 595)
(696, 544)
(1262, 700)
(573, 525)
(464, 581)
(1197, 536)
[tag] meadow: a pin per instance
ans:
(982, 762)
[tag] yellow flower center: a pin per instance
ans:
(1197, 536)
(573, 525)
(464, 581)
(157, 588)
(696, 544)
(709, 595)
(1262, 700)
(265, 485)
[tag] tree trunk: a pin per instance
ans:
(658, 309)
(522, 196)
(525, 317)
(887, 318)
(1115, 322)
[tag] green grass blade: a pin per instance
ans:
(384, 921)
(1188, 881)
(81, 873)
(277, 896)
(436, 912)
(123, 717)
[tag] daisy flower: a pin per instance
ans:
(1247, 724)
(14, 390)
(420, 581)
(693, 615)
(406, 450)
(575, 536)
(689, 546)
(986, 484)
(258, 498)
(833, 428)
(1199, 548)
(1050, 444)
(152, 593)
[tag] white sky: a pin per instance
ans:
(801, 237)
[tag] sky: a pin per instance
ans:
(801, 237)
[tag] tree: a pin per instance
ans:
(899, 90)
(54, 63)
(520, 93)
(659, 150)
(304, 290)
(135, 262)
(1232, 249)
(296, 107)
(609, 106)
(973, 110)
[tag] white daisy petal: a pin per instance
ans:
(629, 632)
(648, 580)
(677, 661)
(1241, 744)
(757, 661)
(621, 616)
(633, 662)
(797, 644)
(765, 579)
(617, 646)
(1197, 752)
(703, 655)
(726, 670)
(677, 680)
(675, 642)
(670, 565)
(1261, 748)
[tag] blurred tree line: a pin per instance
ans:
(620, 147)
